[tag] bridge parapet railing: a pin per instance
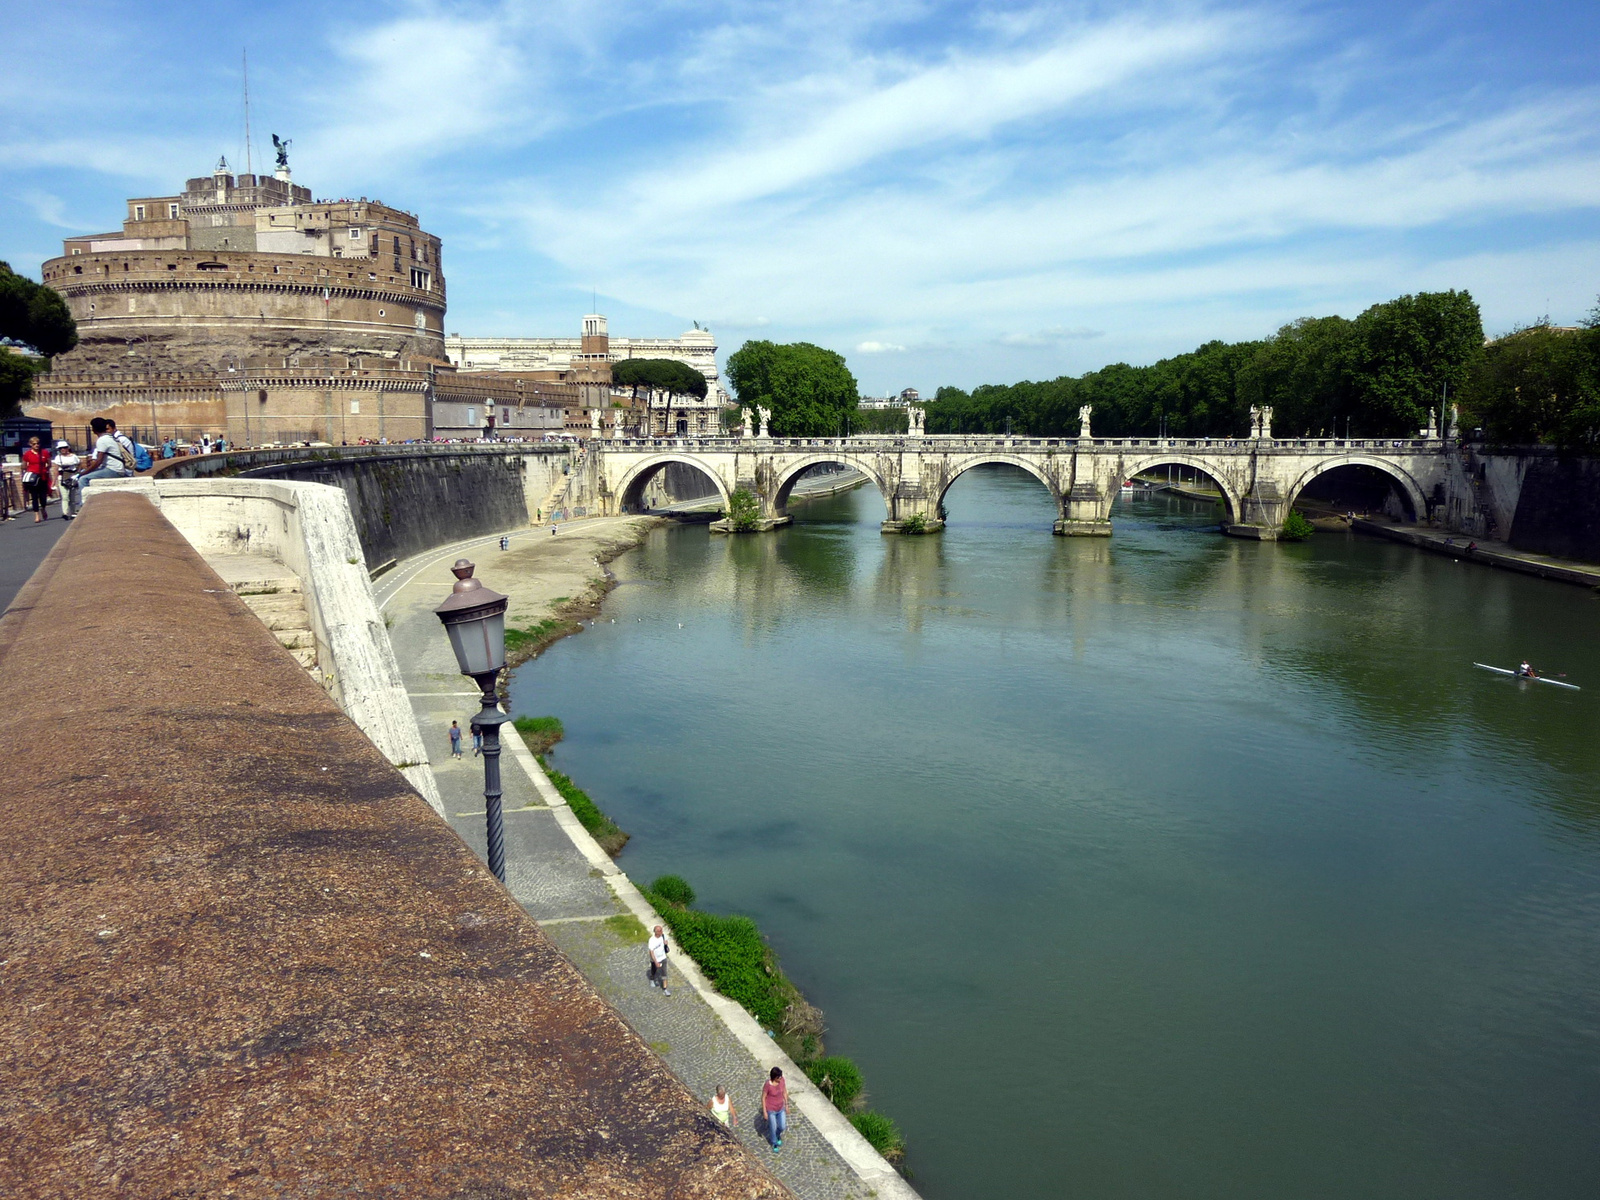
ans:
(955, 443)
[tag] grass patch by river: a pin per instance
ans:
(601, 827)
(737, 959)
(539, 734)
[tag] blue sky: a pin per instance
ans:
(944, 193)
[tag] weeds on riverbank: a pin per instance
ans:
(540, 733)
(601, 827)
(522, 644)
(737, 959)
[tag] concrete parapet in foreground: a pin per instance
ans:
(241, 956)
(307, 527)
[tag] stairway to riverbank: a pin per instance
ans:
(273, 592)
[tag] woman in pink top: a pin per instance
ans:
(774, 1100)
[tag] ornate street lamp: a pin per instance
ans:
(475, 618)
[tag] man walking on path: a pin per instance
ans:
(657, 949)
(477, 740)
(455, 739)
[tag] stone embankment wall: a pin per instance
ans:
(1558, 507)
(249, 961)
(405, 499)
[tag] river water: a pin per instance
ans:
(1164, 865)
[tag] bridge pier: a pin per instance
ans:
(1084, 513)
(913, 506)
(1262, 516)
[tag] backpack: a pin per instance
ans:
(134, 457)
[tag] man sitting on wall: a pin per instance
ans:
(111, 460)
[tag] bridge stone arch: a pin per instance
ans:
(1408, 484)
(791, 472)
(955, 469)
(632, 484)
(1232, 501)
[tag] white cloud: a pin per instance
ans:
(879, 348)
(1053, 336)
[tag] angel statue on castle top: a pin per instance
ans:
(281, 145)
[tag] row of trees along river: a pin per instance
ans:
(1377, 375)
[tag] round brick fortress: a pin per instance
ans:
(185, 309)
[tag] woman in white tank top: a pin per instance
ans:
(722, 1107)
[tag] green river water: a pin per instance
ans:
(1160, 866)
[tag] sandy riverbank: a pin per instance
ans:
(556, 580)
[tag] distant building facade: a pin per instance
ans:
(905, 399)
(582, 358)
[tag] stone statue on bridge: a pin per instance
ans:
(1453, 430)
(1431, 430)
(594, 422)
(1261, 422)
(1084, 413)
(766, 416)
(744, 417)
(916, 421)
(616, 422)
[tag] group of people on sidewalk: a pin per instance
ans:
(59, 472)
(774, 1092)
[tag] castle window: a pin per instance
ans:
(77, 250)
(172, 212)
(138, 212)
(420, 279)
(355, 235)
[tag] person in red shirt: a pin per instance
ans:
(774, 1103)
(36, 478)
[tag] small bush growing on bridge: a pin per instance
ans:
(743, 510)
(837, 1078)
(881, 1133)
(674, 889)
(915, 523)
(1296, 528)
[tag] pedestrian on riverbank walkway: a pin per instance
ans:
(775, 1104)
(455, 739)
(657, 951)
(722, 1107)
(477, 740)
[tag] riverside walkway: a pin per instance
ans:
(241, 957)
(588, 907)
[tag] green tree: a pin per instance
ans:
(664, 376)
(1407, 353)
(1302, 373)
(1540, 384)
(35, 317)
(810, 391)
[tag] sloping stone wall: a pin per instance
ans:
(1558, 510)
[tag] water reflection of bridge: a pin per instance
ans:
(1259, 478)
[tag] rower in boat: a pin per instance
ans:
(1526, 672)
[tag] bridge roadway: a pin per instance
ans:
(1259, 478)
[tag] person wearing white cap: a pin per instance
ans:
(67, 465)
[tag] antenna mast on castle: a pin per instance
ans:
(249, 165)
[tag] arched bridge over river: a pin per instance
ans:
(1259, 478)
